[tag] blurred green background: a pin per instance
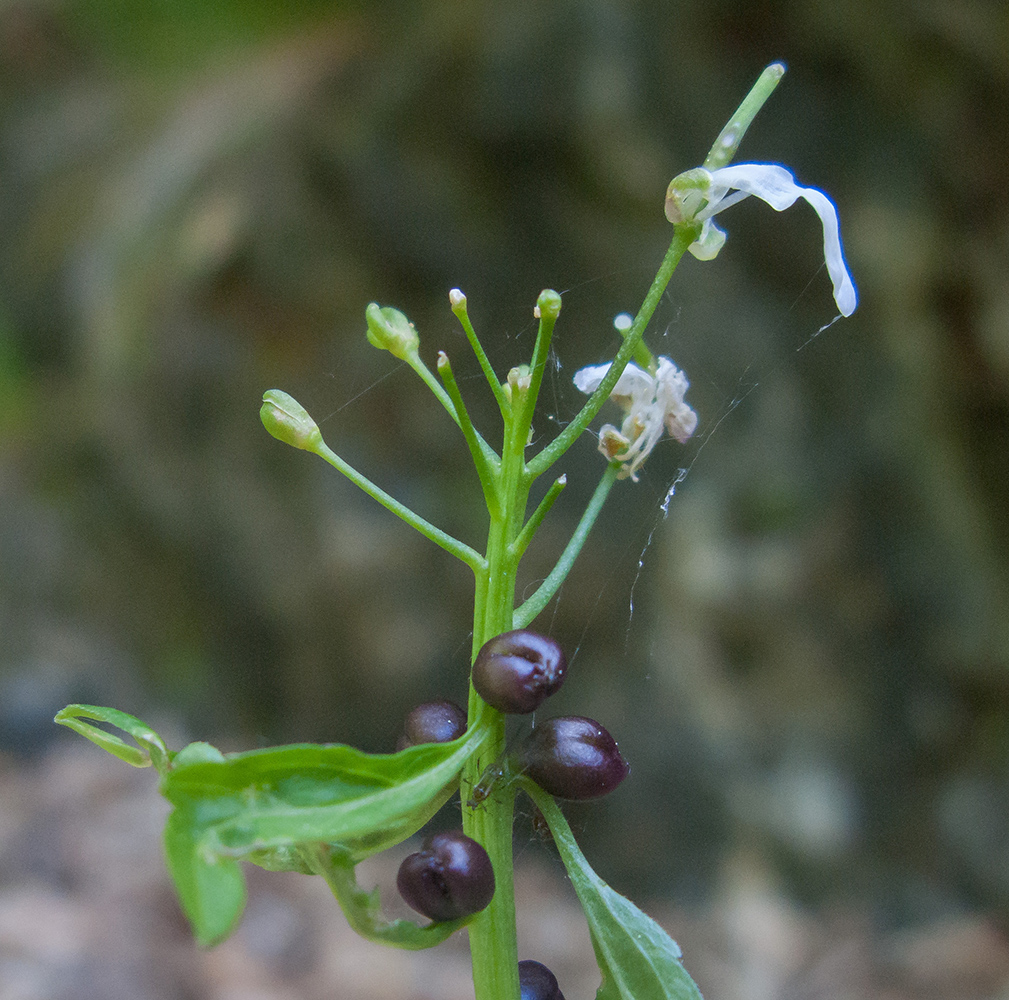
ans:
(197, 201)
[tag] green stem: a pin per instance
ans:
(683, 236)
(486, 471)
(424, 373)
(728, 140)
(460, 550)
(548, 306)
(546, 590)
(459, 308)
(493, 945)
(525, 536)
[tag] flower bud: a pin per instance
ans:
(572, 757)
(389, 330)
(432, 722)
(449, 878)
(537, 982)
(288, 421)
(516, 671)
(548, 304)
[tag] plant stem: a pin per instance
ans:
(460, 550)
(459, 308)
(546, 590)
(484, 469)
(493, 945)
(492, 936)
(532, 525)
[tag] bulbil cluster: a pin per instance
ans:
(571, 757)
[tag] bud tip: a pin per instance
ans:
(548, 304)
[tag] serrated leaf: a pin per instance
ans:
(637, 958)
(150, 747)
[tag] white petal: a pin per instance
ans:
(588, 379)
(767, 181)
(776, 186)
(670, 379)
(711, 240)
(633, 381)
(844, 288)
(682, 423)
(680, 419)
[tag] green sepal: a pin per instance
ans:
(363, 908)
(637, 958)
(150, 747)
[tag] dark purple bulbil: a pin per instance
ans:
(433, 722)
(537, 982)
(572, 757)
(516, 671)
(449, 878)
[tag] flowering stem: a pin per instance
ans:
(728, 140)
(546, 590)
(460, 550)
(458, 303)
(525, 537)
(424, 373)
(485, 469)
(683, 236)
(493, 945)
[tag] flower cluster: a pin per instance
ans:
(652, 403)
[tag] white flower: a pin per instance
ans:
(700, 194)
(651, 403)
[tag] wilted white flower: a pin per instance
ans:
(652, 403)
(701, 194)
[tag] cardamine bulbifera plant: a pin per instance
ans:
(321, 809)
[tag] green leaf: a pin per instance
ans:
(363, 908)
(637, 958)
(211, 889)
(307, 793)
(264, 805)
(152, 749)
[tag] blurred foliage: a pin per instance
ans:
(199, 201)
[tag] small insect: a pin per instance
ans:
(482, 789)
